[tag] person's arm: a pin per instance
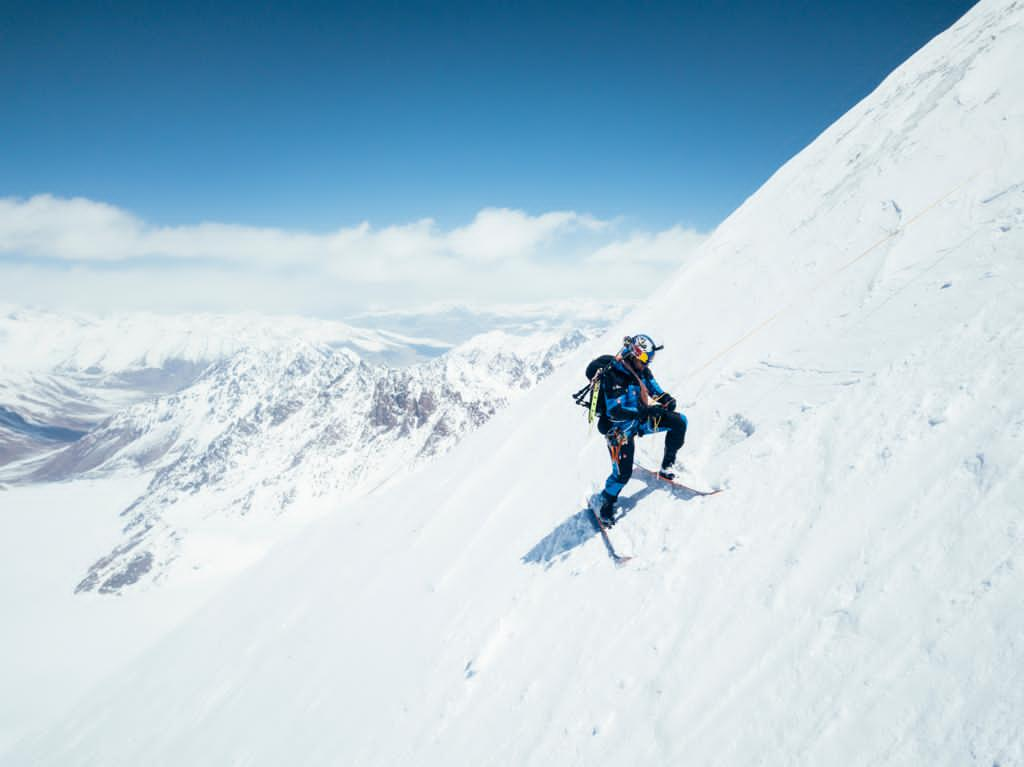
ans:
(661, 397)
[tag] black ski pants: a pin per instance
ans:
(622, 458)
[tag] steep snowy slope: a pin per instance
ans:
(848, 347)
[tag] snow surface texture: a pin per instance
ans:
(55, 644)
(848, 347)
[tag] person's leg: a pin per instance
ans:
(622, 470)
(674, 424)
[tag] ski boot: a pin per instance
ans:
(607, 511)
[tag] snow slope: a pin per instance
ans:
(55, 644)
(848, 348)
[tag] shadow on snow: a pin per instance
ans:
(580, 527)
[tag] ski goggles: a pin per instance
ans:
(636, 351)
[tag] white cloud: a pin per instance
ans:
(500, 233)
(96, 256)
(83, 230)
(71, 229)
(667, 248)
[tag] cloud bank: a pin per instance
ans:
(83, 254)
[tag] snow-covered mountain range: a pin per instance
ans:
(63, 374)
(271, 435)
(460, 322)
(847, 346)
(123, 344)
(271, 439)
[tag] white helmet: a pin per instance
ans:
(640, 347)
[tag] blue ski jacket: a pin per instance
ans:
(623, 404)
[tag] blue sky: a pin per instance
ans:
(312, 117)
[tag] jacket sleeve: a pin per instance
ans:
(652, 385)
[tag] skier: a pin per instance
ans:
(636, 406)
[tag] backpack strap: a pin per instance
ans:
(645, 396)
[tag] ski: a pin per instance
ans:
(617, 558)
(680, 485)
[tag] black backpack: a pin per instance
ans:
(595, 388)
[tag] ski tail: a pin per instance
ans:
(677, 483)
(602, 528)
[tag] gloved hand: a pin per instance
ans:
(654, 411)
(667, 401)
